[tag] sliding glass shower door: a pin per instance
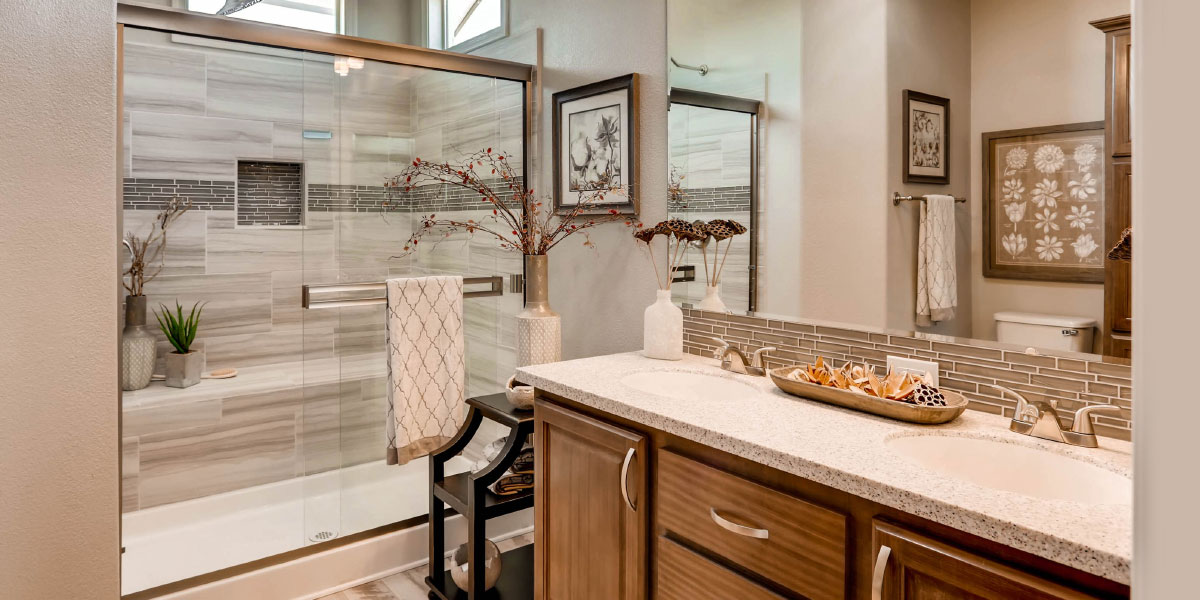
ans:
(282, 155)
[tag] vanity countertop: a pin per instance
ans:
(846, 450)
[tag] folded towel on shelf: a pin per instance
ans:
(937, 276)
(426, 365)
(513, 483)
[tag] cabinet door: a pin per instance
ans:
(1120, 136)
(1118, 279)
(590, 508)
(909, 566)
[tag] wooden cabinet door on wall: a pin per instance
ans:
(590, 508)
(909, 566)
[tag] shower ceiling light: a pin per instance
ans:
(341, 65)
(356, 62)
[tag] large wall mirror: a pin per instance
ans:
(952, 167)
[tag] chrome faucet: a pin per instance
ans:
(735, 360)
(1040, 420)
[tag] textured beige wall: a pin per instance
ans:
(929, 51)
(601, 293)
(58, 322)
(1033, 63)
(1166, 126)
(843, 153)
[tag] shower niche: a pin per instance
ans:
(270, 194)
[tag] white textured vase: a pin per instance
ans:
(539, 328)
(662, 329)
(712, 300)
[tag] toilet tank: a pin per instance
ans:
(1058, 332)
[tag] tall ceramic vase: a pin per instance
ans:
(662, 329)
(137, 346)
(539, 328)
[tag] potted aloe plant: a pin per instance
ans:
(184, 365)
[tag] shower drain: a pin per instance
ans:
(321, 536)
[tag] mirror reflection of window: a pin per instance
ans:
(317, 15)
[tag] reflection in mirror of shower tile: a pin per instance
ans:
(511, 135)
(126, 140)
(256, 249)
(319, 94)
(192, 147)
(359, 330)
(481, 317)
(234, 303)
(362, 423)
(319, 426)
(427, 144)
(184, 253)
(373, 157)
(253, 444)
(444, 98)
(160, 78)
(735, 157)
(259, 88)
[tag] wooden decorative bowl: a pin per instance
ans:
(893, 409)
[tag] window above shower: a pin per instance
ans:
(317, 15)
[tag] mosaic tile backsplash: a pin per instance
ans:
(1073, 380)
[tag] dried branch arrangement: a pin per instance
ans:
(678, 233)
(519, 221)
(718, 230)
(146, 252)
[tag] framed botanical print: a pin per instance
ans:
(596, 145)
(926, 138)
(1043, 208)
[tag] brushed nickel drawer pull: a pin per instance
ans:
(625, 478)
(881, 562)
(728, 525)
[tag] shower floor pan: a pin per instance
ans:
(181, 540)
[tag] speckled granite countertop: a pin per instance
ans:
(846, 450)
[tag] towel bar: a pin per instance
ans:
(495, 282)
(897, 199)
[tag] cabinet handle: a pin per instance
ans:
(728, 525)
(881, 562)
(625, 478)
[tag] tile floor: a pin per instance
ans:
(410, 584)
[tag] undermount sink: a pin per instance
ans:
(684, 385)
(1015, 468)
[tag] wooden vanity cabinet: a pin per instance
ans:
(590, 513)
(703, 524)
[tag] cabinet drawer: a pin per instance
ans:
(787, 540)
(681, 574)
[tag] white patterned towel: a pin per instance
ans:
(426, 365)
(937, 278)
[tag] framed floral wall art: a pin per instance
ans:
(596, 145)
(1043, 209)
(926, 138)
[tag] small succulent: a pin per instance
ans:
(180, 330)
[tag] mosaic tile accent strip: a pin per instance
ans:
(270, 193)
(1072, 380)
(373, 198)
(153, 194)
(731, 198)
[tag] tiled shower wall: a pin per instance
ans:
(968, 366)
(310, 390)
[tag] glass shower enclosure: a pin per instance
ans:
(282, 153)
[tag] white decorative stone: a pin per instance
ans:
(662, 329)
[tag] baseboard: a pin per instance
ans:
(324, 573)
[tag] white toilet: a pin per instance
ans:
(1056, 332)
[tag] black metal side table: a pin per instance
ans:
(469, 495)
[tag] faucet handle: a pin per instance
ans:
(1083, 417)
(1024, 407)
(757, 358)
(722, 346)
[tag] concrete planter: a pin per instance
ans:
(184, 370)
